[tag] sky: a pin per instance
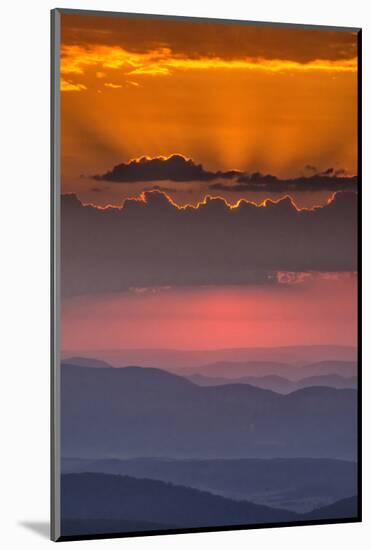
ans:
(215, 318)
(209, 174)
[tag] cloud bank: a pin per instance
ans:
(153, 243)
(213, 38)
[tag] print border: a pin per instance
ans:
(55, 530)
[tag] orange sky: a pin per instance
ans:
(240, 97)
(280, 101)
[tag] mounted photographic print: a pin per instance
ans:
(205, 338)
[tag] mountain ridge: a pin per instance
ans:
(87, 497)
(299, 485)
(296, 355)
(152, 412)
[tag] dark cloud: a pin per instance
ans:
(328, 180)
(209, 38)
(154, 243)
(175, 168)
(178, 168)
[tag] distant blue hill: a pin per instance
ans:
(297, 484)
(89, 496)
(137, 411)
(92, 502)
(294, 372)
(345, 508)
(172, 359)
(279, 383)
(98, 526)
